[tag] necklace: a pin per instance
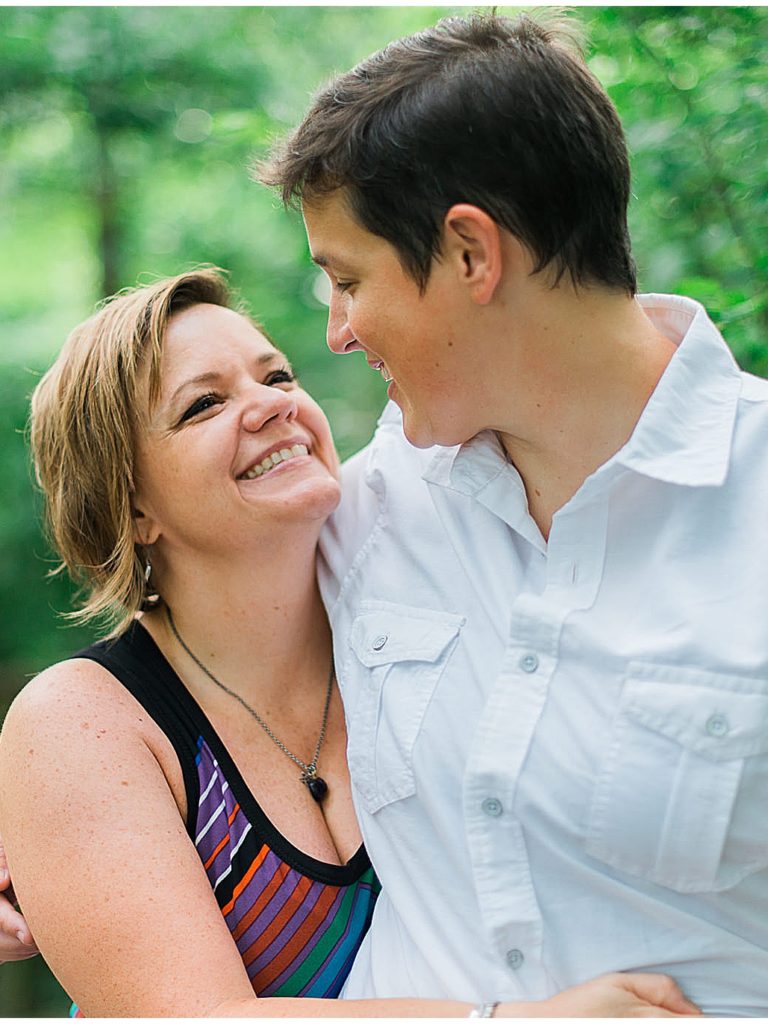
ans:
(317, 786)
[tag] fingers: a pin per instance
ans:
(13, 950)
(13, 925)
(16, 942)
(5, 877)
(14, 929)
(661, 991)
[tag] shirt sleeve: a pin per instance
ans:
(349, 527)
(387, 470)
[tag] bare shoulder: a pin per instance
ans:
(77, 694)
(76, 713)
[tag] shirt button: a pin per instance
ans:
(515, 959)
(379, 642)
(717, 725)
(529, 663)
(492, 807)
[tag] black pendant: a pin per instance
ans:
(317, 787)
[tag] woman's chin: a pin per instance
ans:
(310, 499)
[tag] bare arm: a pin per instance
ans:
(612, 995)
(116, 894)
(104, 870)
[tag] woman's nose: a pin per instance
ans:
(266, 404)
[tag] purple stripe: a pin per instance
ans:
(296, 923)
(206, 768)
(225, 855)
(219, 828)
(250, 895)
(309, 947)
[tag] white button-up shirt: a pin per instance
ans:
(559, 751)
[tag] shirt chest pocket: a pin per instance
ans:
(397, 657)
(681, 795)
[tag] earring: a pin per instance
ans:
(150, 600)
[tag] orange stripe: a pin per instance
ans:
(224, 841)
(304, 934)
(262, 941)
(216, 852)
(246, 879)
(265, 896)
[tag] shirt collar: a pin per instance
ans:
(683, 434)
(480, 469)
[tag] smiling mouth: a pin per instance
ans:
(284, 455)
(382, 368)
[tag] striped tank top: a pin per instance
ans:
(297, 922)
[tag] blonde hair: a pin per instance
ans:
(84, 416)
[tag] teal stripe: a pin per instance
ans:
(351, 937)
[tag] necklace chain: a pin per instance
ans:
(309, 771)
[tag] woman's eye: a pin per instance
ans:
(284, 376)
(199, 405)
(342, 286)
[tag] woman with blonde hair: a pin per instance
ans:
(175, 798)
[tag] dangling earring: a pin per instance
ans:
(149, 600)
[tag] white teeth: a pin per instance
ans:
(275, 459)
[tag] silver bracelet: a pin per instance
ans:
(483, 1010)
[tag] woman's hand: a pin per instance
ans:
(16, 942)
(612, 995)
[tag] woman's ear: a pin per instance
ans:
(472, 241)
(146, 531)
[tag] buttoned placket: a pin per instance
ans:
(573, 568)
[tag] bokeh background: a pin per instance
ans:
(125, 136)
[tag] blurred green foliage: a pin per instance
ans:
(125, 134)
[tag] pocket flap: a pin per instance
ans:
(713, 719)
(383, 634)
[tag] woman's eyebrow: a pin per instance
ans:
(203, 378)
(212, 376)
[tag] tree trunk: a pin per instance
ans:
(107, 186)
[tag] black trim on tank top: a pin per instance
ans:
(129, 658)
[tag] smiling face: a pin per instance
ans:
(417, 341)
(233, 450)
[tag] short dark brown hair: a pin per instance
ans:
(501, 113)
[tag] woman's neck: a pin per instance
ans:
(255, 619)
